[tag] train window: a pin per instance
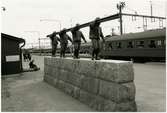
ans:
(130, 44)
(140, 44)
(110, 45)
(159, 42)
(152, 44)
(119, 45)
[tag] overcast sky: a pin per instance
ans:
(23, 16)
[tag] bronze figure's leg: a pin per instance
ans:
(61, 52)
(75, 47)
(54, 47)
(64, 49)
(97, 50)
(79, 44)
(94, 48)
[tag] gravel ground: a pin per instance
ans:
(28, 92)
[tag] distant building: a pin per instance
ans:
(11, 58)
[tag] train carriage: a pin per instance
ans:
(147, 45)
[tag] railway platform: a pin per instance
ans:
(28, 92)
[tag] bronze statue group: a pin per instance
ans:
(94, 34)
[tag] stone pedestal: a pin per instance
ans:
(104, 85)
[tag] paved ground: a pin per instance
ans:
(28, 92)
(150, 81)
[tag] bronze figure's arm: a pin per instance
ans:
(69, 39)
(101, 34)
(82, 36)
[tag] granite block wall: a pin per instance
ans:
(104, 85)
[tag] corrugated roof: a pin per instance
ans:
(20, 40)
(139, 35)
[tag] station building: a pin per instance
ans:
(11, 55)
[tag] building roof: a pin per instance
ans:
(139, 35)
(20, 40)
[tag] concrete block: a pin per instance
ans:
(76, 92)
(45, 61)
(66, 64)
(49, 61)
(129, 90)
(46, 69)
(49, 70)
(125, 72)
(107, 71)
(74, 79)
(55, 82)
(55, 62)
(75, 66)
(61, 85)
(127, 106)
(86, 97)
(87, 68)
(105, 85)
(96, 102)
(115, 71)
(90, 84)
(55, 72)
(69, 89)
(117, 92)
(49, 79)
(63, 75)
(108, 106)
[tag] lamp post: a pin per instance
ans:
(52, 20)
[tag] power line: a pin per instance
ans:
(131, 9)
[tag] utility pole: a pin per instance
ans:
(151, 8)
(120, 6)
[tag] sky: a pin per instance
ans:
(34, 19)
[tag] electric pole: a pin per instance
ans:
(151, 8)
(120, 6)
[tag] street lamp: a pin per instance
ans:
(52, 20)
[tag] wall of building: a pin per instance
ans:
(10, 51)
(104, 85)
